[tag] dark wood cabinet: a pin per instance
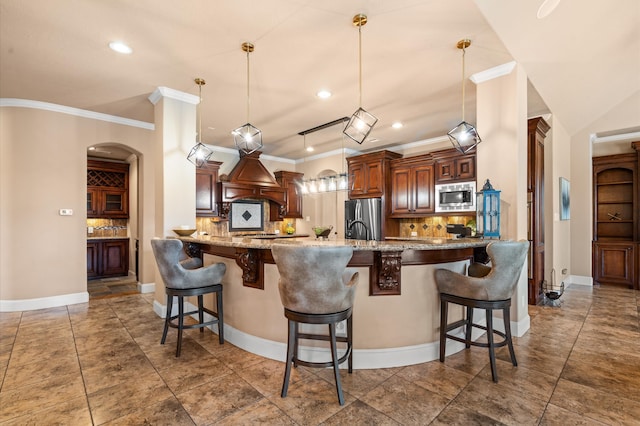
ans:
(536, 134)
(206, 186)
(107, 190)
(289, 182)
(614, 263)
(451, 166)
(369, 174)
(616, 231)
(370, 177)
(107, 258)
(412, 187)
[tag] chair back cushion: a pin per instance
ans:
(314, 279)
(507, 260)
(168, 254)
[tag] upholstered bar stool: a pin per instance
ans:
(316, 288)
(487, 288)
(185, 277)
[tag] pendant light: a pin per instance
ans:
(247, 137)
(464, 136)
(361, 122)
(199, 154)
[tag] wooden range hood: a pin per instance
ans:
(251, 179)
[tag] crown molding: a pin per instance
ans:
(165, 92)
(46, 106)
(491, 73)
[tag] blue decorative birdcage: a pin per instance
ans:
(488, 212)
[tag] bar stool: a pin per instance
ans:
(184, 277)
(316, 288)
(485, 288)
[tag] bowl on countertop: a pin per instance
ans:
(184, 232)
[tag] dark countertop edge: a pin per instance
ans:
(389, 245)
(107, 238)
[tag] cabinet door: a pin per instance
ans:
(93, 202)
(445, 170)
(114, 203)
(465, 168)
(93, 259)
(289, 182)
(357, 180)
(614, 263)
(423, 189)
(401, 191)
(374, 178)
(115, 257)
(206, 180)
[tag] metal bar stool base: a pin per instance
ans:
(170, 320)
(295, 318)
(470, 305)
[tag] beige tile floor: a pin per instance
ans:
(101, 363)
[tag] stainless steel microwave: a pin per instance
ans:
(456, 197)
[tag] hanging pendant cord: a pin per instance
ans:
(248, 97)
(200, 113)
(360, 62)
(463, 52)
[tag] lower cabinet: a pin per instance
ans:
(614, 263)
(107, 258)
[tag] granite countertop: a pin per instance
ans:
(391, 244)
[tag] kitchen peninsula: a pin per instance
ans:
(396, 312)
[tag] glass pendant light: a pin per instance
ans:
(361, 122)
(247, 137)
(199, 154)
(464, 136)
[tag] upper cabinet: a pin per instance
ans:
(206, 180)
(289, 182)
(369, 174)
(451, 166)
(107, 189)
(412, 187)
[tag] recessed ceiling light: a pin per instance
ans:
(397, 125)
(309, 149)
(547, 7)
(120, 47)
(323, 94)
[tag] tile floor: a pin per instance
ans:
(101, 363)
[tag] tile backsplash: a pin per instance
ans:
(107, 228)
(432, 226)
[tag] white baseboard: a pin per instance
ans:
(146, 288)
(43, 302)
(579, 280)
(362, 358)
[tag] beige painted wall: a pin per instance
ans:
(502, 158)
(557, 148)
(43, 160)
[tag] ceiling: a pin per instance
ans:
(581, 61)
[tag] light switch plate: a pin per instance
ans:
(66, 212)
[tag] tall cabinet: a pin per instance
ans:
(616, 227)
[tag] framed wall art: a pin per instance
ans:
(246, 216)
(565, 212)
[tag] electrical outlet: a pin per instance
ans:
(414, 234)
(66, 212)
(564, 271)
(90, 230)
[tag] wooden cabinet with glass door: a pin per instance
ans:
(107, 189)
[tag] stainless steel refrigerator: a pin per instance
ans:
(363, 219)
